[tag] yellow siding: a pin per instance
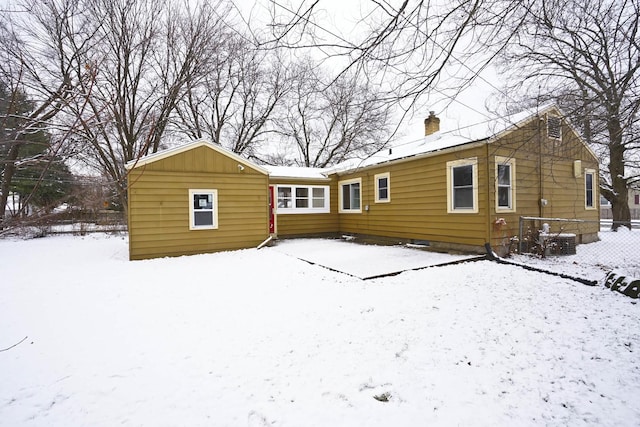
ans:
(290, 225)
(200, 159)
(418, 203)
(159, 205)
(544, 170)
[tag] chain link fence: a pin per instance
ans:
(586, 249)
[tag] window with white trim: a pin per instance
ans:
(589, 188)
(382, 183)
(462, 186)
(554, 127)
(505, 184)
(349, 195)
(203, 209)
(298, 199)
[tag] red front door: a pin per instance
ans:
(272, 209)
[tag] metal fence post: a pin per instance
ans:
(520, 235)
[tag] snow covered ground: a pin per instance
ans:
(618, 251)
(255, 338)
(363, 261)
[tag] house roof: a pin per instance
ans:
(190, 146)
(297, 172)
(485, 132)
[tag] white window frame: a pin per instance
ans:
(214, 209)
(349, 182)
(594, 193)
(308, 210)
(376, 180)
(473, 162)
(511, 162)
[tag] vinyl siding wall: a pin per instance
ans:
(417, 209)
(159, 205)
(544, 170)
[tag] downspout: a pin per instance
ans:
(129, 213)
(488, 197)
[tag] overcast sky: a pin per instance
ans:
(341, 17)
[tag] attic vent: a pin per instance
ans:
(554, 128)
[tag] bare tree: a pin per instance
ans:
(331, 120)
(407, 47)
(111, 71)
(36, 69)
(586, 54)
(144, 53)
(234, 102)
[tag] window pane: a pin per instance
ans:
(462, 176)
(203, 218)
(503, 197)
(463, 198)
(504, 174)
(318, 198)
(284, 197)
(351, 196)
(302, 197)
(346, 197)
(202, 201)
(589, 189)
(355, 196)
(383, 188)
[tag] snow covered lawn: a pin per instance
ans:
(260, 338)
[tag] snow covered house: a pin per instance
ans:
(455, 190)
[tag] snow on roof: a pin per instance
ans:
(444, 139)
(399, 150)
(296, 172)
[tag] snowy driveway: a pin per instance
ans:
(364, 261)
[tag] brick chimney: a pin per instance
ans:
(431, 124)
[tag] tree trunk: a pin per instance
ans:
(619, 200)
(7, 176)
(620, 211)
